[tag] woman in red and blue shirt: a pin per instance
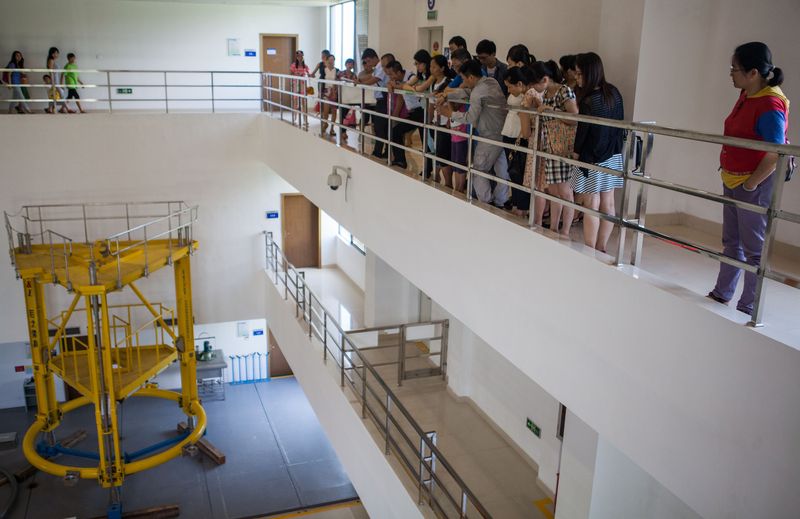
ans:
(761, 113)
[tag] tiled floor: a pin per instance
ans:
(680, 272)
(278, 459)
(501, 478)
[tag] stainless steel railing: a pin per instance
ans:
(435, 477)
(171, 220)
(150, 90)
(636, 181)
(405, 333)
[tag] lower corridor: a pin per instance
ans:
(502, 477)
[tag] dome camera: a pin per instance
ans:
(334, 180)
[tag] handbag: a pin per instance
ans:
(516, 163)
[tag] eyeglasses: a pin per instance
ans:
(734, 69)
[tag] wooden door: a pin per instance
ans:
(300, 230)
(277, 54)
(278, 366)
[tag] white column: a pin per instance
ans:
(577, 469)
(389, 298)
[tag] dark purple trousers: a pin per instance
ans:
(742, 239)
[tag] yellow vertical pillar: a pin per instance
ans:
(183, 303)
(108, 372)
(46, 403)
(96, 384)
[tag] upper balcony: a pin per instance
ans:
(674, 380)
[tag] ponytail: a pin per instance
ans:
(777, 77)
(554, 71)
(756, 55)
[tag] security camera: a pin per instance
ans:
(334, 180)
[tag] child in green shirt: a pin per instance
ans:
(72, 80)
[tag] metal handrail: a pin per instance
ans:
(632, 178)
(36, 216)
(163, 83)
(303, 298)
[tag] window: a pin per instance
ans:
(342, 32)
(348, 237)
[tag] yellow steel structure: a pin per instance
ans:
(114, 360)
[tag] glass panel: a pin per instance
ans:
(336, 32)
(358, 244)
(348, 32)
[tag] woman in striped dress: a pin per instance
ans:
(600, 145)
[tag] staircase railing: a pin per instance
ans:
(436, 479)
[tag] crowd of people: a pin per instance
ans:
(473, 93)
(61, 83)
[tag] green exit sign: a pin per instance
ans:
(535, 429)
(433, 15)
(124, 90)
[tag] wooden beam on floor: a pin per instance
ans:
(157, 512)
(206, 447)
(29, 470)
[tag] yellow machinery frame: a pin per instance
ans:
(92, 271)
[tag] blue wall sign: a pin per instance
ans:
(250, 53)
(258, 332)
(272, 215)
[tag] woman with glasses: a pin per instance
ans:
(299, 86)
(761, 113)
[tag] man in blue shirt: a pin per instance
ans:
(490, 67)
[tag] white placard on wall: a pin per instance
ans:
(233, 47)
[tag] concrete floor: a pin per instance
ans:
(278, 460)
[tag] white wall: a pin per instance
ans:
(683, 82)
(202, 159)
(623, 490)
(389, 298)
(504, 393)
(549, 29)
(632, 377)
(351, 261)
(371, 473)
(223, 336)
(328, 236)
(340, 253)
(578, 457)
(146, 35)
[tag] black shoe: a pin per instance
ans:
(401, 165)
(379, 155)
(716, 298)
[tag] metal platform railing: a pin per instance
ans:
(145, 90)
(285, 94)
(33, 226)
(417, 450)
